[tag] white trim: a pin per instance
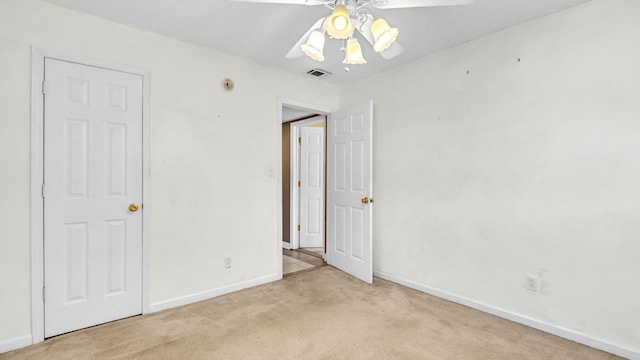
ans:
(205, 295)
(294, 192)
(37, 206)
(316, 119)
(524, 320)
(15, 343)
(295, 174)
(57, 55)
(286, 245)
(37, 163)
(302, 106)
(146, 197)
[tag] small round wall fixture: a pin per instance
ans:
(227, 84)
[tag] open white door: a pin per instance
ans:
(92, 196)
(311, 186)
(349, 190)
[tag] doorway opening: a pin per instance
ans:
(303, 186)
(348, 190)
(303, 182)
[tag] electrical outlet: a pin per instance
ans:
(227, 262)
(532, 283)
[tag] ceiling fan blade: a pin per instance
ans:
(296, 51)
(392, 51)
(397, 4)
(364, 28)
(294, 2)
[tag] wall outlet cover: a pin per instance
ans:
(532, 283)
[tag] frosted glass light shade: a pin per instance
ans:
(314, 46)
(383, 34)
(353, 53)
(339, 24)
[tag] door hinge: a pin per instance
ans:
(299, 184)
(43, 87)
(43, 294)
(299, 140)
(298, 227)
(43, 191)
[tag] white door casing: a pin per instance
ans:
(311, 187)
(349, 185)
(92, 173)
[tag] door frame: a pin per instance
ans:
(37, 178)
(322, 110)
(296, 126)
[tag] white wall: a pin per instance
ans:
(211, 153)
(517, 168)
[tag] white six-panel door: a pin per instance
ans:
(349, 190)
(92, 176)
(312, 186)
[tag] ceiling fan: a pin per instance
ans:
(349, 16)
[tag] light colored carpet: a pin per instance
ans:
(320, 314)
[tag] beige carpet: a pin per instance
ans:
(320, 314)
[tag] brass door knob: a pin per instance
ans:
(365, 200)
(133, 207)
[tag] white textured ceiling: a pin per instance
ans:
(266, 32)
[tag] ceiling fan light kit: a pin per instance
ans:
(339, 24)
(383, 34)
(346, 17)
(353, 53)
(314, 46)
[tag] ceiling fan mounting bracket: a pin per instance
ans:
(353, 5)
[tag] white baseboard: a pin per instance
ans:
(524, 320)
(16, 343)
(286, 245)
(189, 299)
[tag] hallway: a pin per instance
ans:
(294, 261)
